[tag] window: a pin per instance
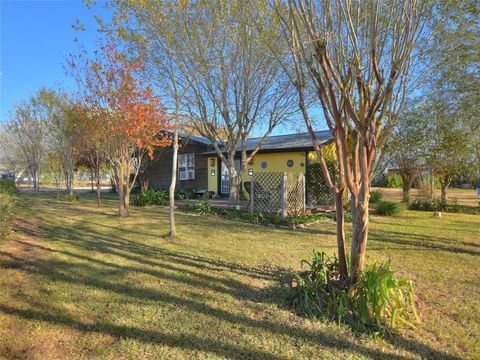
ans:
(186, 166)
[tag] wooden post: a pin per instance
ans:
(284, 196)
(252, 194)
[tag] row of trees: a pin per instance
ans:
(251, 65)
(42, 133)
(439, 130)
(114, 118)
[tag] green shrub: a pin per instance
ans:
(376, 196)
(187, 193)
(7, 208)
(179, 195)
(393, 181)
(388, 208)
(150, 197)
(8, 186)
(202, 207)
(380, 302)
(424, 204)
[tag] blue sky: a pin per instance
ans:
(36, 37)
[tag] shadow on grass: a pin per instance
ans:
(86, 257)
(421, 242)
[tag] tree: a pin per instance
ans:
(26, 132)
(406, 147)
(448, 149)
(356, 56)
(62, 132)
(129, 113)
(454, 80)
(92, 144)
(9, 159)
(220, 52)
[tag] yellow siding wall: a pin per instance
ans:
(276, 162)
(212, 180)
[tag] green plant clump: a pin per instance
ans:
(376, 196)
(8, 202)
(424, 204)
(8, 186)
(393, 181)
(150, 197)
(202, 207)
(389, 208)
(379, 302)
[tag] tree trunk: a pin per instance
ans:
(359, 235)
(97, 181)
(407, 185)
(342, 260)
(69, 181)
(235, 180)
(91, 178)
(36, 180)
(123, 190)
(444, 192)
(171, 190)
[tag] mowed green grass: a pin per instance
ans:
(79, 282)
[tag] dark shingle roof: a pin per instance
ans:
(197, 139)
(299, 142)
(290, 141)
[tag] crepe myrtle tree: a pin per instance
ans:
(220, 50)
(131, 115)
(356, 57)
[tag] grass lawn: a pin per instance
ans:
(79, 282)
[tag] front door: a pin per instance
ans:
(225, 178)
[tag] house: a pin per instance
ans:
(200, 168)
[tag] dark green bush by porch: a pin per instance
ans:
(380, 301)
(203, 207)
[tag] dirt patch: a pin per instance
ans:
(21, 249)
(17, 254)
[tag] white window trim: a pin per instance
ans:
(186, 166)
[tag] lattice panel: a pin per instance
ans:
(267, 191)
(318, 192)
(278, 192)
(295, 193)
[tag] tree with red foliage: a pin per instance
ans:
(127, 111)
